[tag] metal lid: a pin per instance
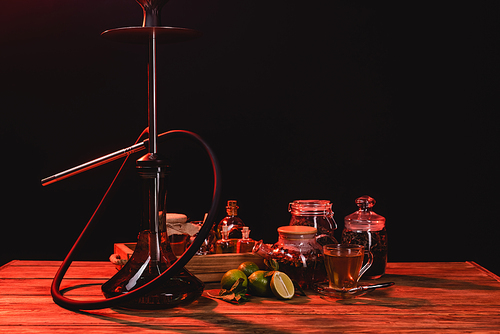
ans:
(311, 207)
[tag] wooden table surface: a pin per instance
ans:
(439, 297)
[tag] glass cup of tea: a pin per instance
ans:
(344, 265)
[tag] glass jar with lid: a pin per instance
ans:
(315, 213)
(367, 228)
(297, 254)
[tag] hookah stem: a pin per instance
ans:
(153, 137)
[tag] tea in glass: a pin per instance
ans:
(344, 265)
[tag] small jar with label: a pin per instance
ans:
(365, 227)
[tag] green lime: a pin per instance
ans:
(282, 285)
(248, 267)
(230, 277)
(259, 283)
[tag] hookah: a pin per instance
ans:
(153, 278)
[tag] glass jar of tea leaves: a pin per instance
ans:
(315, 213)
(365, 227)
(297, 254)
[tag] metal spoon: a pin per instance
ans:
(366, 287)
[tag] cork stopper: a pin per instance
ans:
(225, 231)
(232, 208)
(245, 232)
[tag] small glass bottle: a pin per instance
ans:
(232, 221)
(365, 227)
(245, 244)
(225, 245)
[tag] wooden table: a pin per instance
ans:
(427, 297)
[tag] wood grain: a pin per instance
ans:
(427, 297)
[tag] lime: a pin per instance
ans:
(282, 285)
(259, 283)
(248, 267)
(230, 277)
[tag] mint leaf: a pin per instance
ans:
(272, 264)
(269, 273)
(298, 289)
(236, 294)
(238, 287)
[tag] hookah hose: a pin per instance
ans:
(173, 270)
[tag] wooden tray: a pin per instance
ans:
(208, 268)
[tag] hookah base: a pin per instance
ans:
(180, 290)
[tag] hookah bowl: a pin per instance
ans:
(151, 28)
(152, 12)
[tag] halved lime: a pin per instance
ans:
(282, 285)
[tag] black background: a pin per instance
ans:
(299, 100)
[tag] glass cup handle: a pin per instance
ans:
(367, 265)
